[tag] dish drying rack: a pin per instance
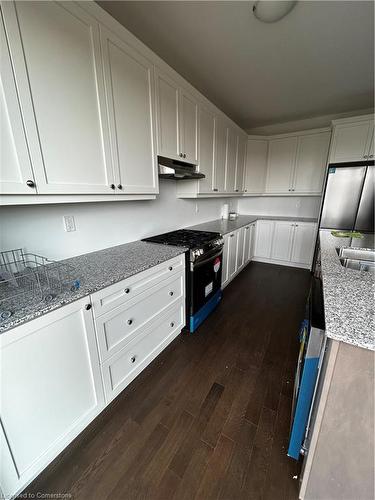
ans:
(27, 279)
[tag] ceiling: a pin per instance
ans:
(318, 60)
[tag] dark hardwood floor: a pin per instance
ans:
(209, 418)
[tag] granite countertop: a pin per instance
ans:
(348, 296)
(97, 270)
(226, 226)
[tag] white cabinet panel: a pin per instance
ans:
(51, 386)
(206, 149)
(280, 166)
(220, 156)
(247, 243)
(230, 160)
(303, 243)
(62, 52)
(264, 235)
(350, 141)
(167, 97)
(311, 161)
(252, 240)
(282, 240)
(129, 83)
(233, 245)
(189, 127)
(225, 270)
(240, 163)
(15, 161)
(240, 248)
(256, 166)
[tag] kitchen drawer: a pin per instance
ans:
(124, 291)
(119, 370)
(116, 328)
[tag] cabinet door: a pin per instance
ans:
(230, 160)
(240, 164)
(167, 112)
(225, 271)
(280, 165)
(51, 386)
(311, 162)
(240, 247)
(350, 142)
(282, 240)
(304, 243)
(129, 83)
(232, 265)
(189, 127)
(256, 166)
(220, 154)
(206, 149)
(263, 241)
(252, 240)
(62, 53)
(247, 242)
(15, 161)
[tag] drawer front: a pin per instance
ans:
(124, 291)
(125, 365)
(119, 326)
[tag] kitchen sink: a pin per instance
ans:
(357, 258)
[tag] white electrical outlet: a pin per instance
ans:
(69, 223)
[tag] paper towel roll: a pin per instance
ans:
(225, 211)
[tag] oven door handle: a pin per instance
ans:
(199, 263)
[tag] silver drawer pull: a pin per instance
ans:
(171, 293)
(172, 324)
(130, 321)
(127, 290)
(170, 268)
(132, 359)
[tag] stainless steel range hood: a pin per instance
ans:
(177, 170)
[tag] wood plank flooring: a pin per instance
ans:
(209, 418)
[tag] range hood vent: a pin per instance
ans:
(177, 170)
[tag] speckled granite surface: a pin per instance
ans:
(97, 270)
(226, 226)
(348, 296)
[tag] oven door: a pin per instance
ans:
(205, 286)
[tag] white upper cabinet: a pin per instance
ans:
(188, 127)
(230, 160)
(281, 159)
(167, 112)
(220, 156)
(304, 243)
(352, 138)
(311, 162)
(240, 163)
(16, 172)
(282, 240)
(256, 166)
(130, 85)
(206, 148)
(62, 54)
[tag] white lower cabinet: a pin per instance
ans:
(282, 241)
(285, 242)
(53, 368)
(237, 252)
(51, 389)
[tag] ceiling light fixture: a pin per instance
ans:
(269, 11)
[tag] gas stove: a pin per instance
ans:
(203, 270)
(200, 243)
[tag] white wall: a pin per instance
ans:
(303, 206)
(40, 229)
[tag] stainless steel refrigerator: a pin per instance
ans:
(348, 201)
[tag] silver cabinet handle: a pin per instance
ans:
(171, 293)
(215, 189)
(184, 155)
(132, 359)
(171, 324)
(231, 235)
(127, 290)
(130, 322)
(170, 268)
(371, 156)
